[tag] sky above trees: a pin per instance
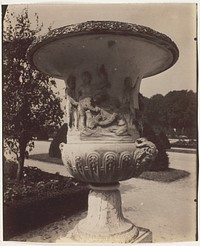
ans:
(178, 21)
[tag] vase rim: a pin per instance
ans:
(105, 28)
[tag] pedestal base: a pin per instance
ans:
(105, 222)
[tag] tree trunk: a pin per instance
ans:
(20, 169)
(22, 148)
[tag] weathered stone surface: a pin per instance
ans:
(104, 27)
(105, 221)
(103, 63)
(109, 162)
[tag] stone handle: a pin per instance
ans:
(145, 153)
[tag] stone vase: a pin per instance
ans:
(103, 64)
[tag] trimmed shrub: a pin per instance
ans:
(61, 137)
(164, 140)
(162, 161)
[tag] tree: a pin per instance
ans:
(177, 109)
(29, 103)
(181, 111)
(153, 111)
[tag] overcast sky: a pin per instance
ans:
(178, 21)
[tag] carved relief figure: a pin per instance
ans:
(130, 100)
(128, 96)
(85, 100)
(114, 123)
(85, 89)
(85, 105)
(97, 112)
(71, 104)
(127, 91)
(103, 76)
(101, 84)
(107, 120)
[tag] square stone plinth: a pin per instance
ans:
(145, 236)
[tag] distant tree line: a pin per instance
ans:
(174, 114)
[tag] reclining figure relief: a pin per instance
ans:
(93, 111)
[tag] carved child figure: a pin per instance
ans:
(85, 89)
(71, 104)
(127, 98)
(83, 106)
(130, 100)
(113, 123)
(85, 100)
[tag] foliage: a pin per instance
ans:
(34, 183)
(153, 110)
(176, 110)
(162, 114)
(28, 99)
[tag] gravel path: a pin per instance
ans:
(167, 209)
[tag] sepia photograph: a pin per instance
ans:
(100, 123)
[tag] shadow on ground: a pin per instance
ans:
(52, 232)
(166, 176)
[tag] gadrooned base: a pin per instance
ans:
(105, 222)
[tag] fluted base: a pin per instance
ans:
(105, 222)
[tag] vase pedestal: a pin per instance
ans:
(105, 222)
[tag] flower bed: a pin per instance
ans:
(40, 198)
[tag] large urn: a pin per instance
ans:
(102, 64)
